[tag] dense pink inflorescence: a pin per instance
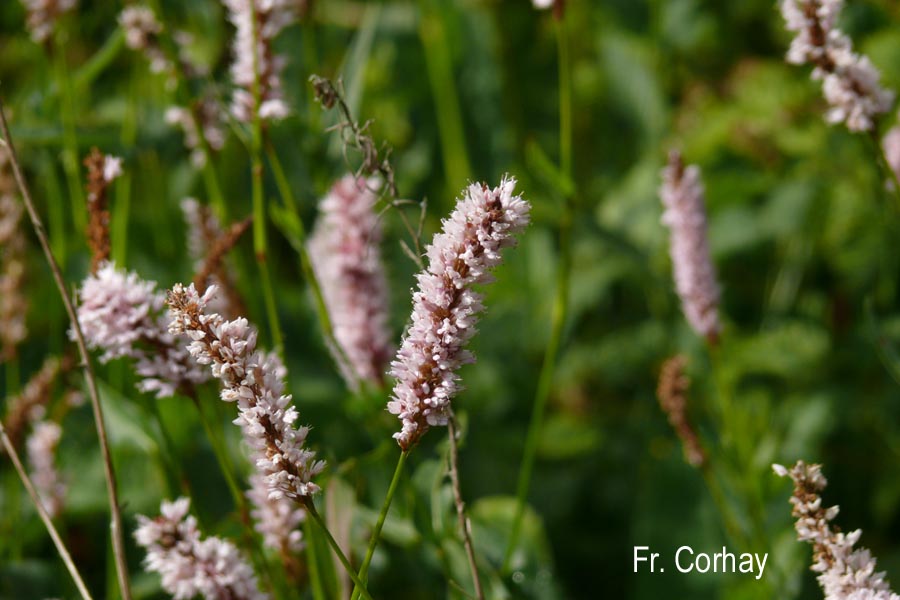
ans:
(256, 382)
(277, 520)
(844, 573)
(344, 250)
(445, 307)
(258, 22)
(122, 315)
(41, 449)
(685, 216)
(850, 82)
(190, 566)
(13, 303)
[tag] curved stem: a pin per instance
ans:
(359, 585)
(45, 517)
(376, 533)
(91, 382)
(561, 300)
(461, 508)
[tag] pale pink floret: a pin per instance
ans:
(850, 83)
(685, 216)
(43, 15)
(345, 253)
(257, 23)
(189, 566)
(256, 382)
(41, 449)
(122, 315)
(277, 520)
(844, 573)
(445, 307)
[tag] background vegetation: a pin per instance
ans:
(803, 233)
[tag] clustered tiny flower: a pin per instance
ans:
(277, 520)
(206, 120)
(122, 315)
(844, 573)
(672, 393)
(850, 83)
(41, 451)
(43, 15)
(29, 406)
(142, 31)
(102, 170)
(685, 216)
(446, 308)
(258, 22)
(255, 381)
(345, 252)
(190, 566)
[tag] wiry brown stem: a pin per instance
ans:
(90, 380)
(461, 507)
(45, 517)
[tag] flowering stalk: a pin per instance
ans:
(90, 380)
(30, 403)
(102, 170)
(13, 303)
(685, 216)
(844, 573)
(560, 309)
(446, 308)
(43, 15)
(850, 82)
(190, 566)
(256, 382)
(41, 449)
(344, 250)
(122, 315)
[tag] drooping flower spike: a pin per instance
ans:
(446, 307)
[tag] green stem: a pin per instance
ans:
(312, 560)
(70, 139)
(439, 66)
(379, 524)
(357, 581)
(561, 300)
(885, 167)
(260, 245)
(225, 464)
(297, 237)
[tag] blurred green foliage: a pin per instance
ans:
(803, 233)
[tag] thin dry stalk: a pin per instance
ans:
(213, 264)
(673, 397)
(98, 209)
(90, 380)
(42, 512)
(36, 393)
(464, 525)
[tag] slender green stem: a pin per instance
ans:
(45, 517)
(259, 200)
(174, 474)
(439, 65)
(357, 580)
(70, 138)
(123, 186)
(316, 585)
(379, 524)
(297, 237)
(561, 300)
(221, 454)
